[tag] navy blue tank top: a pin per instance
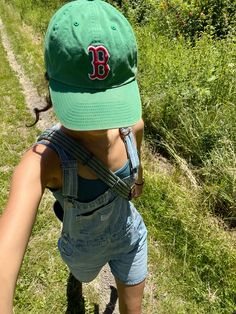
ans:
(91, 189)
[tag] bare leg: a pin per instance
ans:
(130, 297)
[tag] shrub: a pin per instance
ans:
(192, 18)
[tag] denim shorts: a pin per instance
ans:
(106, 230)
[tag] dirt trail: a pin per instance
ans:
(104, 284)
(32, 99)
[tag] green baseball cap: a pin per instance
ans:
(91, 62)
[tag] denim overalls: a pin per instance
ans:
(106, 230)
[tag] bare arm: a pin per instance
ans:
(27, 186)
(138, 130)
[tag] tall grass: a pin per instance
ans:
(189, 96)
(190, 251)
(36, 12)
(188, 93)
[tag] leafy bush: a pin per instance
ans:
(137, 11)
(188, 18)
(193, 17)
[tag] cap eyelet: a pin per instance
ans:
(113, 27)
(76, 24)
(55, 27)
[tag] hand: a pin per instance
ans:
(137, 190)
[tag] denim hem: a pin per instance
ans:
(130, 282)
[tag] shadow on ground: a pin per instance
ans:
(75, 300)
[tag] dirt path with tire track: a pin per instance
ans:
(32, 99)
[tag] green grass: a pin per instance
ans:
(36, 12)
(192, 258)
(34, 281)
(188, 97)
(13, 119)
(27, 45)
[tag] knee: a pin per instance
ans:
(130, 297)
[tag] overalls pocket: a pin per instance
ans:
(88, 221)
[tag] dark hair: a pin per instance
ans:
(48, 106)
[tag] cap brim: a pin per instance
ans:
(77, 109)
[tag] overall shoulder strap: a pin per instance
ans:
(87, 158)
(131, 148)
(68, 162)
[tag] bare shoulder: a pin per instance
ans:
(41, 161)
(30, 178)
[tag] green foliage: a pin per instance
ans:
(199, 256)
(137, 11)
(191, 18)
(188, 18)
(188, 96)
(219, 175)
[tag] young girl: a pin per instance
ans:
(91, 59)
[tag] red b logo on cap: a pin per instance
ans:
(100, 65)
